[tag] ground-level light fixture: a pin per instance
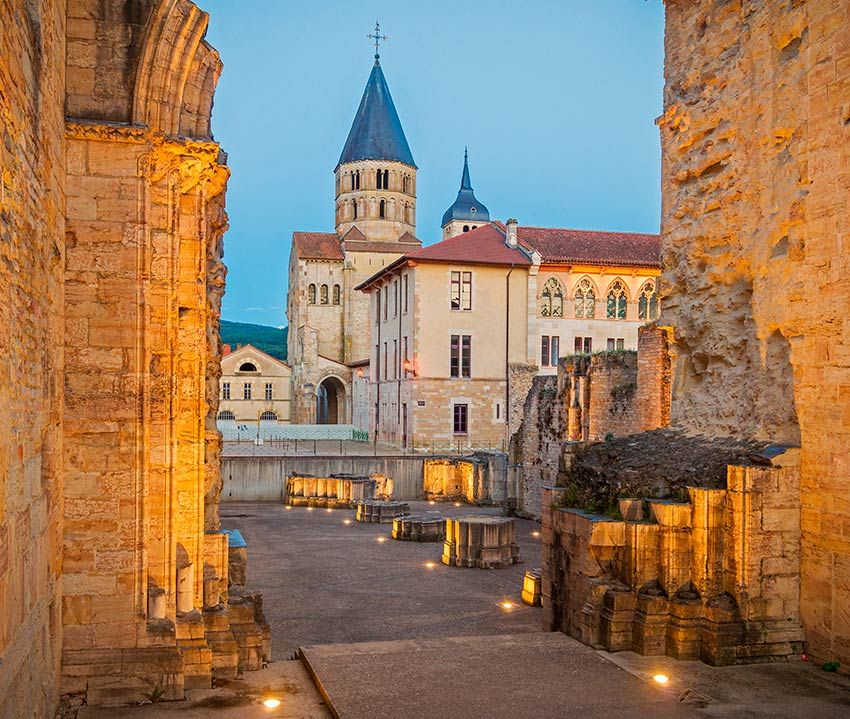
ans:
(535, 533)
(457, 504)
(271, 702)
(309, 509)
(430, 565)
(432, 502)
(329, 509)
(346, 521)
(661, 679)
(506, 605)
(381, 539)
(289, 506)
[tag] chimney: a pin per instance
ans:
(511, 240)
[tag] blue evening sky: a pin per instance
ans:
(556, 101)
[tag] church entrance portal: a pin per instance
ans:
(330, 401)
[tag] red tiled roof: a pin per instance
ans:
(593, 247)
(317, 245)
(482, 246)
(398, 248)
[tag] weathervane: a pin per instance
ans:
(377, 37)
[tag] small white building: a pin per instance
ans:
(254, 388)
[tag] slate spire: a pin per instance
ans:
(376, 132)
(466, 207)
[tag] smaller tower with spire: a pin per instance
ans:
(467, 213)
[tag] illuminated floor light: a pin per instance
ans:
(430, 565)
(289, 506)
(346, 521)
(457, 504)
(381, 539)
(271, 703)
(329, 510)
(535, 533)
(506, 604)
(309, 509)
(432, 502)
(661, 679)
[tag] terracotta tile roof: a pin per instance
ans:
(482, 246)
(560, 245)
(398, 248)
(354, 234)
(317, 245)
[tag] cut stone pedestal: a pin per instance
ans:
(337, 490)
(531, 588)
(414, 528)
(379, 511)
(480, 541)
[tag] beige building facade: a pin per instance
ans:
(458, 328)
(254, 388)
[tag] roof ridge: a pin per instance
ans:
(578, 229)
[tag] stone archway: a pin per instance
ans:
(330, 401)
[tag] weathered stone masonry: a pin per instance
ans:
(756, 154)
(109, 473)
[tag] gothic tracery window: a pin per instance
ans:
(617, 299)
(552, 299)
(585, 299)
(648, 301)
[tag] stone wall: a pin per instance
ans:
(480, 478)
(755, 153)
(715, 578)
(32, 247)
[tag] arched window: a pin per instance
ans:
(383, 177)
(585, 298)
(323, 295)
(354, 208)
(269, 416)
(247, 367)
(466, 228)
(311, 294)
(382, 209)
(226, 414)
(617, 298)
(552, 299)
(386, 179)
(648, 301)
(475, 227)
(405, 184)
(335, 297)
(355, 180)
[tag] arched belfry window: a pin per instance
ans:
(386, 179)
(648, 301)
(311, 294)
(354, 209)
(323, 295)
(382, 209)
(585, 299)
(617, 299)
(552, 299)
(335, 297)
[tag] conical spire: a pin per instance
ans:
(376, 132)
(466, 208)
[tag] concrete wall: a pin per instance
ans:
(32, 248)
(261, 479)
(756, 151)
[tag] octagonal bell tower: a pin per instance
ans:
(376, 174)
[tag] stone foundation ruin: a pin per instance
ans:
(482, 542)
(342, 491)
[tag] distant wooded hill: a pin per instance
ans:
(271, 340)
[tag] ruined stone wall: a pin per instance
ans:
(654, 377)
(715, 578)
(755, 157)
(32, 198)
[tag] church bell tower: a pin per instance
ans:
(376, 174)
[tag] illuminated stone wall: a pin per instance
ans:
(32, 192)
(756, 152)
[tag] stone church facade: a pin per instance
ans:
(375, 224)
(113, 566)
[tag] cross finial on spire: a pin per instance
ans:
(377, 37)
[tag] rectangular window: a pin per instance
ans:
(246, 390)
(544, 351)
(406, 355)
(455, 291)
(225, 390)
(269, 391)
(395, 359)
(497, 411)
(461, 356)
(588, 345)
(461, 419)
(466, 291)
(377, 364)
(611, 344)
(406, 292)
(395, 298)
(621, 344)
(386, 302)
(378, 307)
(386, 367)
(555, 354)
(578, 345)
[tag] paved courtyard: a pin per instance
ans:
(324, 581)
